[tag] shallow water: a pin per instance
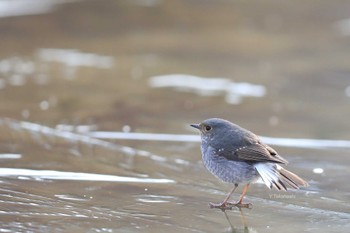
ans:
(97, 98)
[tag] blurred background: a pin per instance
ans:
(77, 76)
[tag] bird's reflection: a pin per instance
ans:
(234, 229)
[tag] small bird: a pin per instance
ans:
(236, 155)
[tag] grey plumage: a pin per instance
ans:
(236, 155)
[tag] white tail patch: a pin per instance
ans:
(270, 175)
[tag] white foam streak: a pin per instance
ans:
(75, 58)
(61, 175)
(12, 8)
(10, 156)
(233, 91)
(306, 143)
(284, 142)
(145, 136)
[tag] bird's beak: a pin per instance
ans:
(195, 126)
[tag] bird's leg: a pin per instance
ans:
(223, 204)
(239, 204)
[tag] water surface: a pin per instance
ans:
(97, 98)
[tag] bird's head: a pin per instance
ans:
(213, 127)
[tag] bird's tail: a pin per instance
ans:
(273, 175)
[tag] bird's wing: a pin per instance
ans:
(258, 152)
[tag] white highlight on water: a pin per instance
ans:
(285, 142)
(233, 91)
(62, 175)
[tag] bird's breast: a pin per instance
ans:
(227, 170)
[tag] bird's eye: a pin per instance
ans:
(207, 128)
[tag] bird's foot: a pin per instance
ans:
(222, 206)
(241, 205)
(230, 205)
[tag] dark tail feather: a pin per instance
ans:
(290, 178)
